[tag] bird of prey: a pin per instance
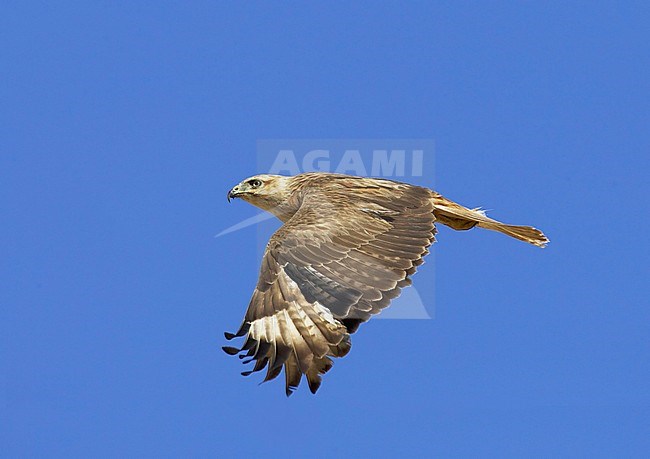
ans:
(347, 247)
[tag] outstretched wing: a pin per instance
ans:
(341, 258)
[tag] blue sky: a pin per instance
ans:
(124, 124)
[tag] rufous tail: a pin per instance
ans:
(461, 218)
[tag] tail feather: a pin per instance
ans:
(523, 233)
(461, 218)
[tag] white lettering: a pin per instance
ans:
(310, 158)
(285, 161)
(384, 165)
(351, 162)
(416, 166)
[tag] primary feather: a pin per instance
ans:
(347, 247)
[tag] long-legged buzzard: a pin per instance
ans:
(347, 247)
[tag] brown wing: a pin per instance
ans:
(339, 259)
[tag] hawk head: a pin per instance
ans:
(268, 192)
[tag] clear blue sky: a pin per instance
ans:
(124, 124)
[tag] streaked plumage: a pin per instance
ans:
(347, 247)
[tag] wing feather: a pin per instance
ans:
(343, 256)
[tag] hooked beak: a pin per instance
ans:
(232, 194)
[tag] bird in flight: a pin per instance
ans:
(347, 247)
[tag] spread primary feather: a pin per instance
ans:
(347, 247)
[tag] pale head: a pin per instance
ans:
(266, 191)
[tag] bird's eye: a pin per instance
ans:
(255, 183)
